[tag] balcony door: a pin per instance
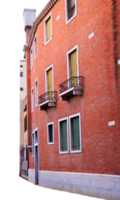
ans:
(50, 84)
(73, 67)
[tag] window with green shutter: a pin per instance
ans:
(75, 136)
(63, 136)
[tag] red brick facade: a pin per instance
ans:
(100, 103)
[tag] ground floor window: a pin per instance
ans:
(63, 135)
(75, 133)
(50, 132)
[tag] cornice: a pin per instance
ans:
(40, 17)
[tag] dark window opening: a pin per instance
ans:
(21, 89)
(21, 74)
(70, 8)
(50, 133)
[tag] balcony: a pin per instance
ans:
(71, 87)
(47, 100)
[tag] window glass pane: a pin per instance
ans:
(75, 133)
(63, 135)
(50, 129)
(21, 74)
(70, 8)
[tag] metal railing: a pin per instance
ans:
(48, 96)
(72, 82)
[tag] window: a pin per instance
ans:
(21, 65)
(70, 10)
(26, 153)
(21, 89)
(35, 46)
(63, 135)
(36, 92)
(36, 136)
(31, 58)
(48, 29)
(50, 131)
(49, 82)
(32, 144)
(25, 123)
(75, 133)
(32, 103)
(21, 74)
(72, 63)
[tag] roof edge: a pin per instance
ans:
(40, 17)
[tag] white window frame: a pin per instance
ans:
(67, 21)
(35, 47)
(45, 31)
(46, 79)
(68, 61)
(33, 146)
(36, 143)
(31, 58)
(49, 143)
(36, 93)
(32, 100)
(60, 120)
(70, 117)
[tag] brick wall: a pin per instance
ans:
(100, 101)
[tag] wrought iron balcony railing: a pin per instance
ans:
(72, 82)
(48, 96)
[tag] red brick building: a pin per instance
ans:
(72, 56)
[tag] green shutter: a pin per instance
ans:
(75, 133)
(63, 130)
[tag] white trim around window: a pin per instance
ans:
(68, 61)
(48, 142)
(35, 47)
(36, 141)
(59, 133)
(36, 92)
(66, 11)
(31, 58)
(71, 117)
(45, 30)
(32, 100)
(46, 79)
(33, 148)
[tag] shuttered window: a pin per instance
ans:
(73, 67)
(75, 133)
(48, 28)
(63, 135)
